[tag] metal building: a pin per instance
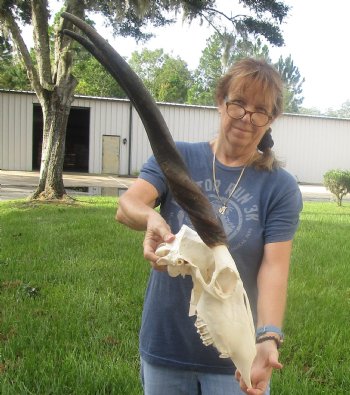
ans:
(106, 136)
(310, 145)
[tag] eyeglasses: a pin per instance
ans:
(236, 111)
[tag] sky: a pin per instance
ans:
(316, 35)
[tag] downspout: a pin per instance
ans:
(130, 139)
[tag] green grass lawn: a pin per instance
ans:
(72, 282)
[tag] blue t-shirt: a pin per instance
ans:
(263, 209)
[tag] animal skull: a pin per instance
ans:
(218, 298)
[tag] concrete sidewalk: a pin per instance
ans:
(19, 184)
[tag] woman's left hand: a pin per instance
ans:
(265, 361)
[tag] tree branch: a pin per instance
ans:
(63, 55)
(267, 29)
(42, 42)
(9, 22)
(231, 19)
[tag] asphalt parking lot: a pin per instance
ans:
(19, 184)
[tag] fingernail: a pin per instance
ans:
(168, 237)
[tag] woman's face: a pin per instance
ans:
(241, 133)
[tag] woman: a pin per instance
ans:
(258, 204)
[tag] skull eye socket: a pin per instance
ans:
(225, 282)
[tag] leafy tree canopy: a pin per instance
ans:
(167, 78)
(292, 84)
(209, 70)
(343, 112)
(133, 17)
(221, 52)
(12, 71)
(94, 80)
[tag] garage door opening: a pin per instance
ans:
(76, 157)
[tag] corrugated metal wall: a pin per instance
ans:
(107, 117)
(185, 123)
(308, 145)
(16, 121)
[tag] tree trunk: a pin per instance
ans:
(56, 107)
(55, 95)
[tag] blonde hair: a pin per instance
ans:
(250, 72)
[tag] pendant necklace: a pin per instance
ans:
(223, 207)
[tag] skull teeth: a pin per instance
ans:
(202, 330)
(207, 340)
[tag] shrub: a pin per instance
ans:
(338, 182)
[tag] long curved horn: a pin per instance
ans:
(185, 191)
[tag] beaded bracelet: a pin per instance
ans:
(266, 338)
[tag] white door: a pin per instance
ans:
(110, 154)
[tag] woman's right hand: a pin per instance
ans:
(136, 210)
(157, 232)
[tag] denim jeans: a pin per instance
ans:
(162, 380)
